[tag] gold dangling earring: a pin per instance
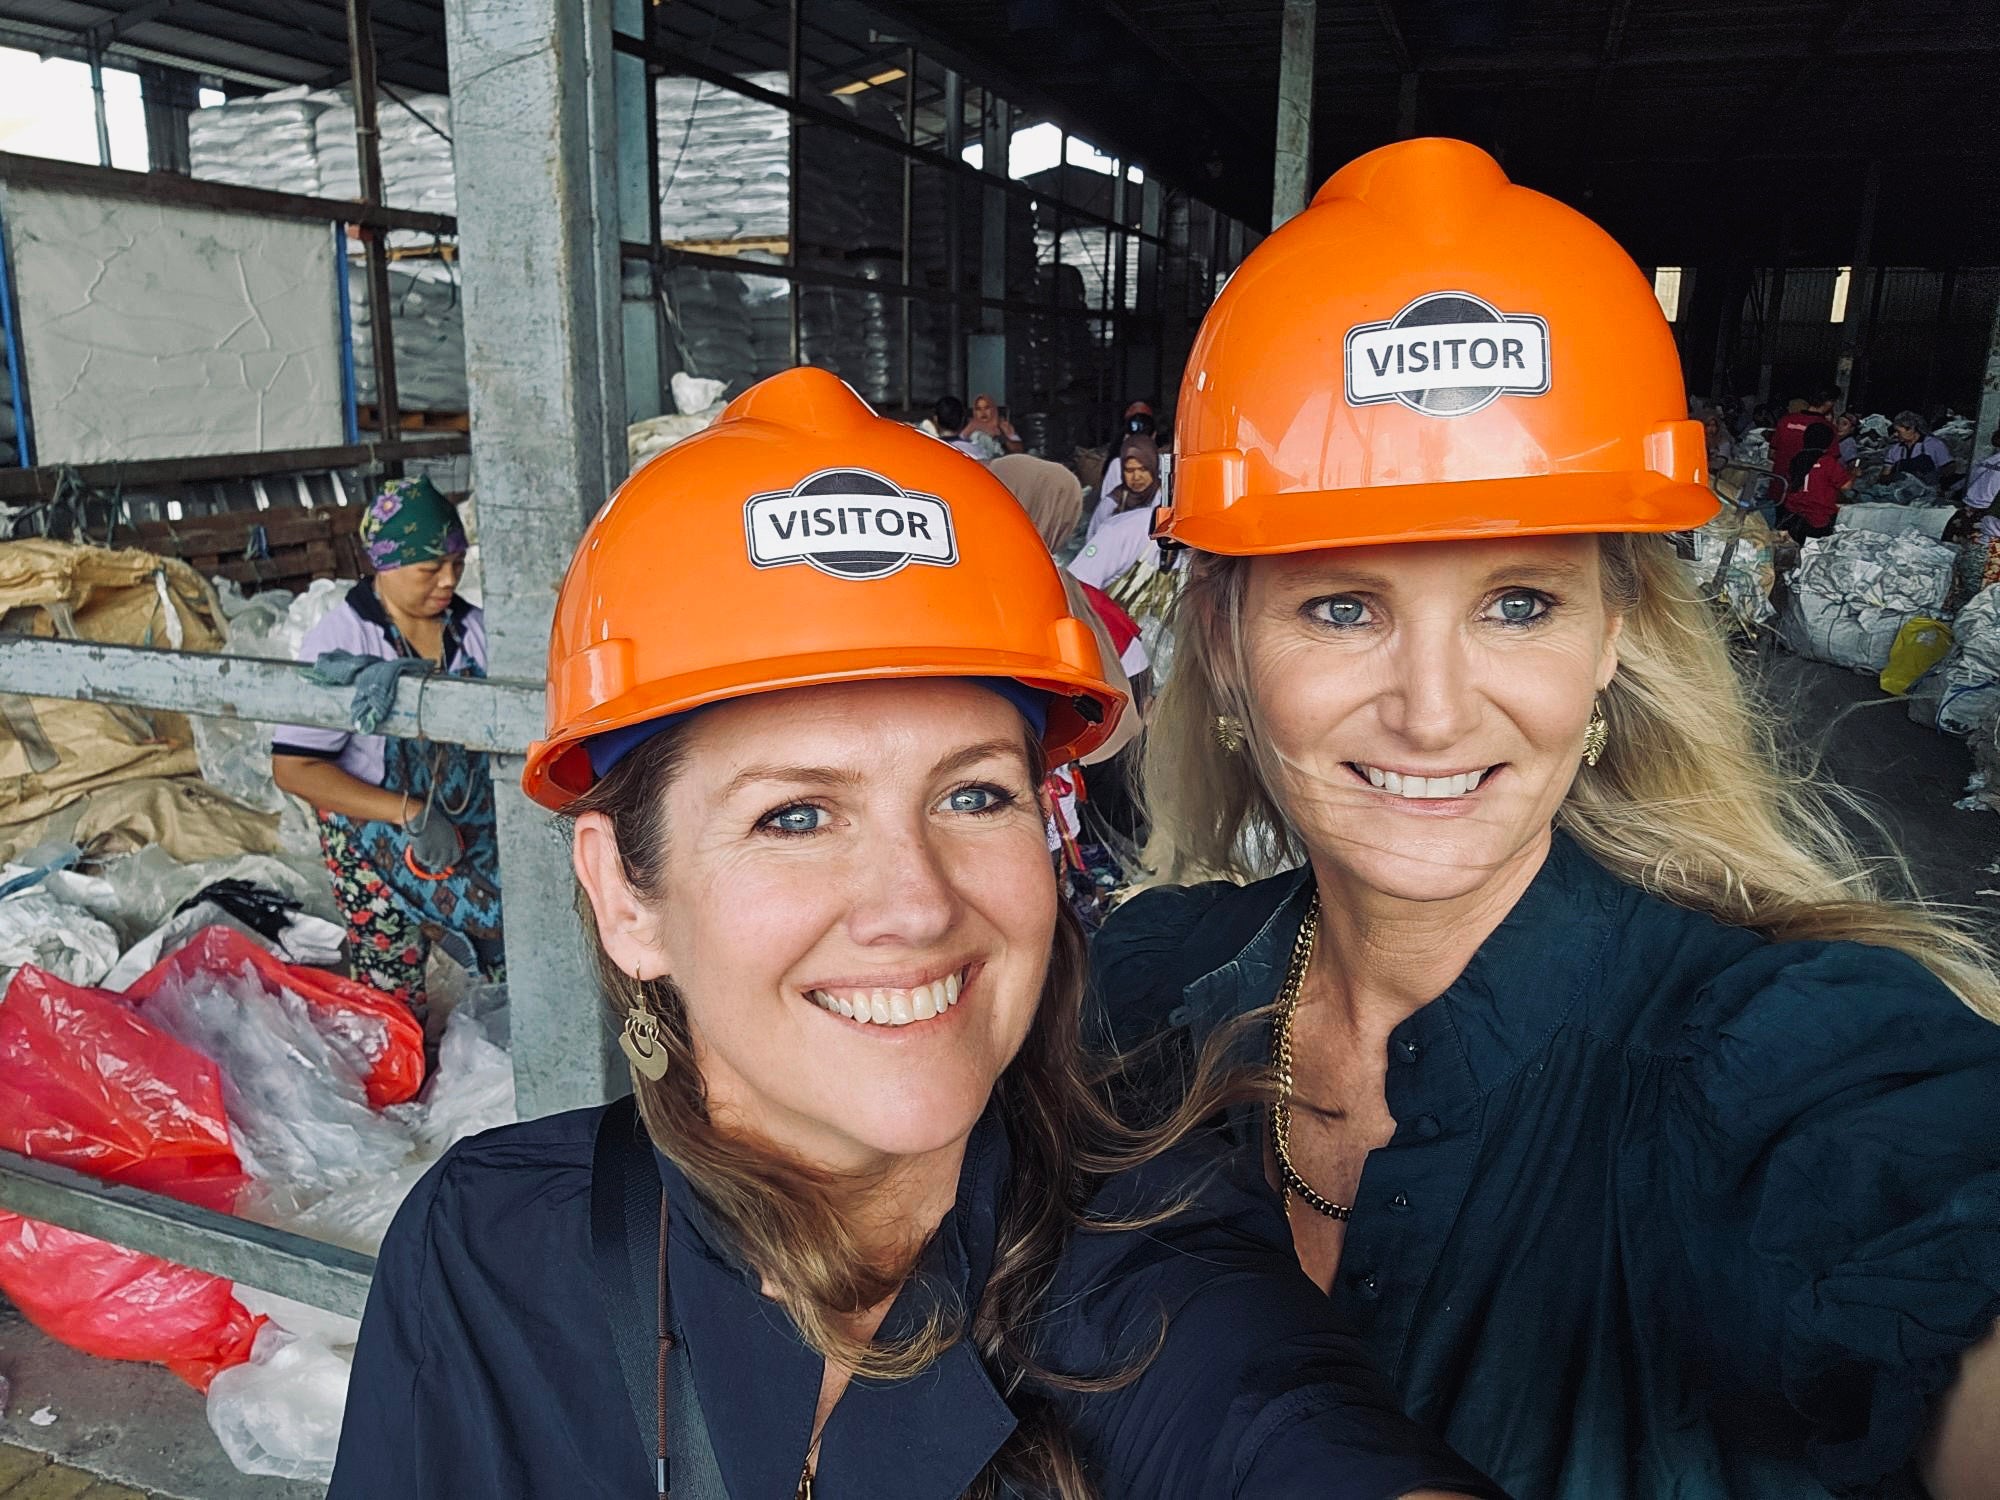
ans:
(1230, 733)
(1596, 735)
(640, 1039)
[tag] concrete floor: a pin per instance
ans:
(1905, 775)
(118, 1423)
(138, 1426)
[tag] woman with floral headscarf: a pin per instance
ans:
(406, 825)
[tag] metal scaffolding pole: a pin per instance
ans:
(1291, 181)
(536, 143)
(368, 153)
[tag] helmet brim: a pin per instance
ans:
(1468, 510)
(558, 770)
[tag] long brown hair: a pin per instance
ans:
(1694, 800)
(787, 1218)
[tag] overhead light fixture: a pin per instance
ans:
(862, 85)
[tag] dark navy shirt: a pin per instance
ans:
(486, 1366)
(1669, 1211)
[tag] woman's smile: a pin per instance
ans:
(893, 1007)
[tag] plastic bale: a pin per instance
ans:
(373, 1031)
(120, 1304)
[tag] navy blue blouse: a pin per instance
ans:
(1670, 1210)
(486, 1366)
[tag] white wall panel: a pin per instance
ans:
(169, 332)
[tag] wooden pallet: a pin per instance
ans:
(295, 546)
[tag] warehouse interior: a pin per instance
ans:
(520, 248)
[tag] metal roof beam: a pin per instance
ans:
(1392, 29)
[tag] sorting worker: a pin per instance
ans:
(406, 826)
(840, 1242)
(1917, 452)
(988, 431)
(1138, 421)
(1789, 432)
(1818, 481)
(1653, 1147)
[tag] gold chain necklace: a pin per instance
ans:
(1281, 1064)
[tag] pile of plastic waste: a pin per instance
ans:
(1969, 678)
(1733, 560)
(246, 1084)
(103, 922)
(1856, 589)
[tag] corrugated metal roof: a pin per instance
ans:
(1694, 129)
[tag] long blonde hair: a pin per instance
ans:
(1693, 799)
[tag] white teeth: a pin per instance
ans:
(892, 1007)
(1423, 788)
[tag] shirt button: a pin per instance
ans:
(1363, 1282)
(1426, 1127)
(1400, 1203)
(1408, 1050)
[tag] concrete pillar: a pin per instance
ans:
(1291, 181)
(1855, 322)
(535, 146)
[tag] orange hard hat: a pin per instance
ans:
(802, 539)
(1430, 353)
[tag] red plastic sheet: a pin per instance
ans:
(119, 1304)
(87, 1083)
(393, 1077)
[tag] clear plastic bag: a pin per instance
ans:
(278, 1413)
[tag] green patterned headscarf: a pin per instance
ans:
(408, 521)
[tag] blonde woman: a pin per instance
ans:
(870, 1229)
(1654, 1151)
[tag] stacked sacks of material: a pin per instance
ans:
(1754, 448)
(428, 324)
(415, 150)
(727, 327)
(725, 161)
(266, 142)
(1854, 590)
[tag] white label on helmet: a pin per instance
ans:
(1447, 354)
(850, 523)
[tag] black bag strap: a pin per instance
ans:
(626, 1203)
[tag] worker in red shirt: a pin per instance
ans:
(1819, 482)
(1789, 435)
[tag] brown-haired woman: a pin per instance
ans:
(1654, 1150)
(878, 1234)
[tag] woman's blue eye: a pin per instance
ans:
(977, 799)
(1342, 609)
(800, 819)
(1521, 606)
